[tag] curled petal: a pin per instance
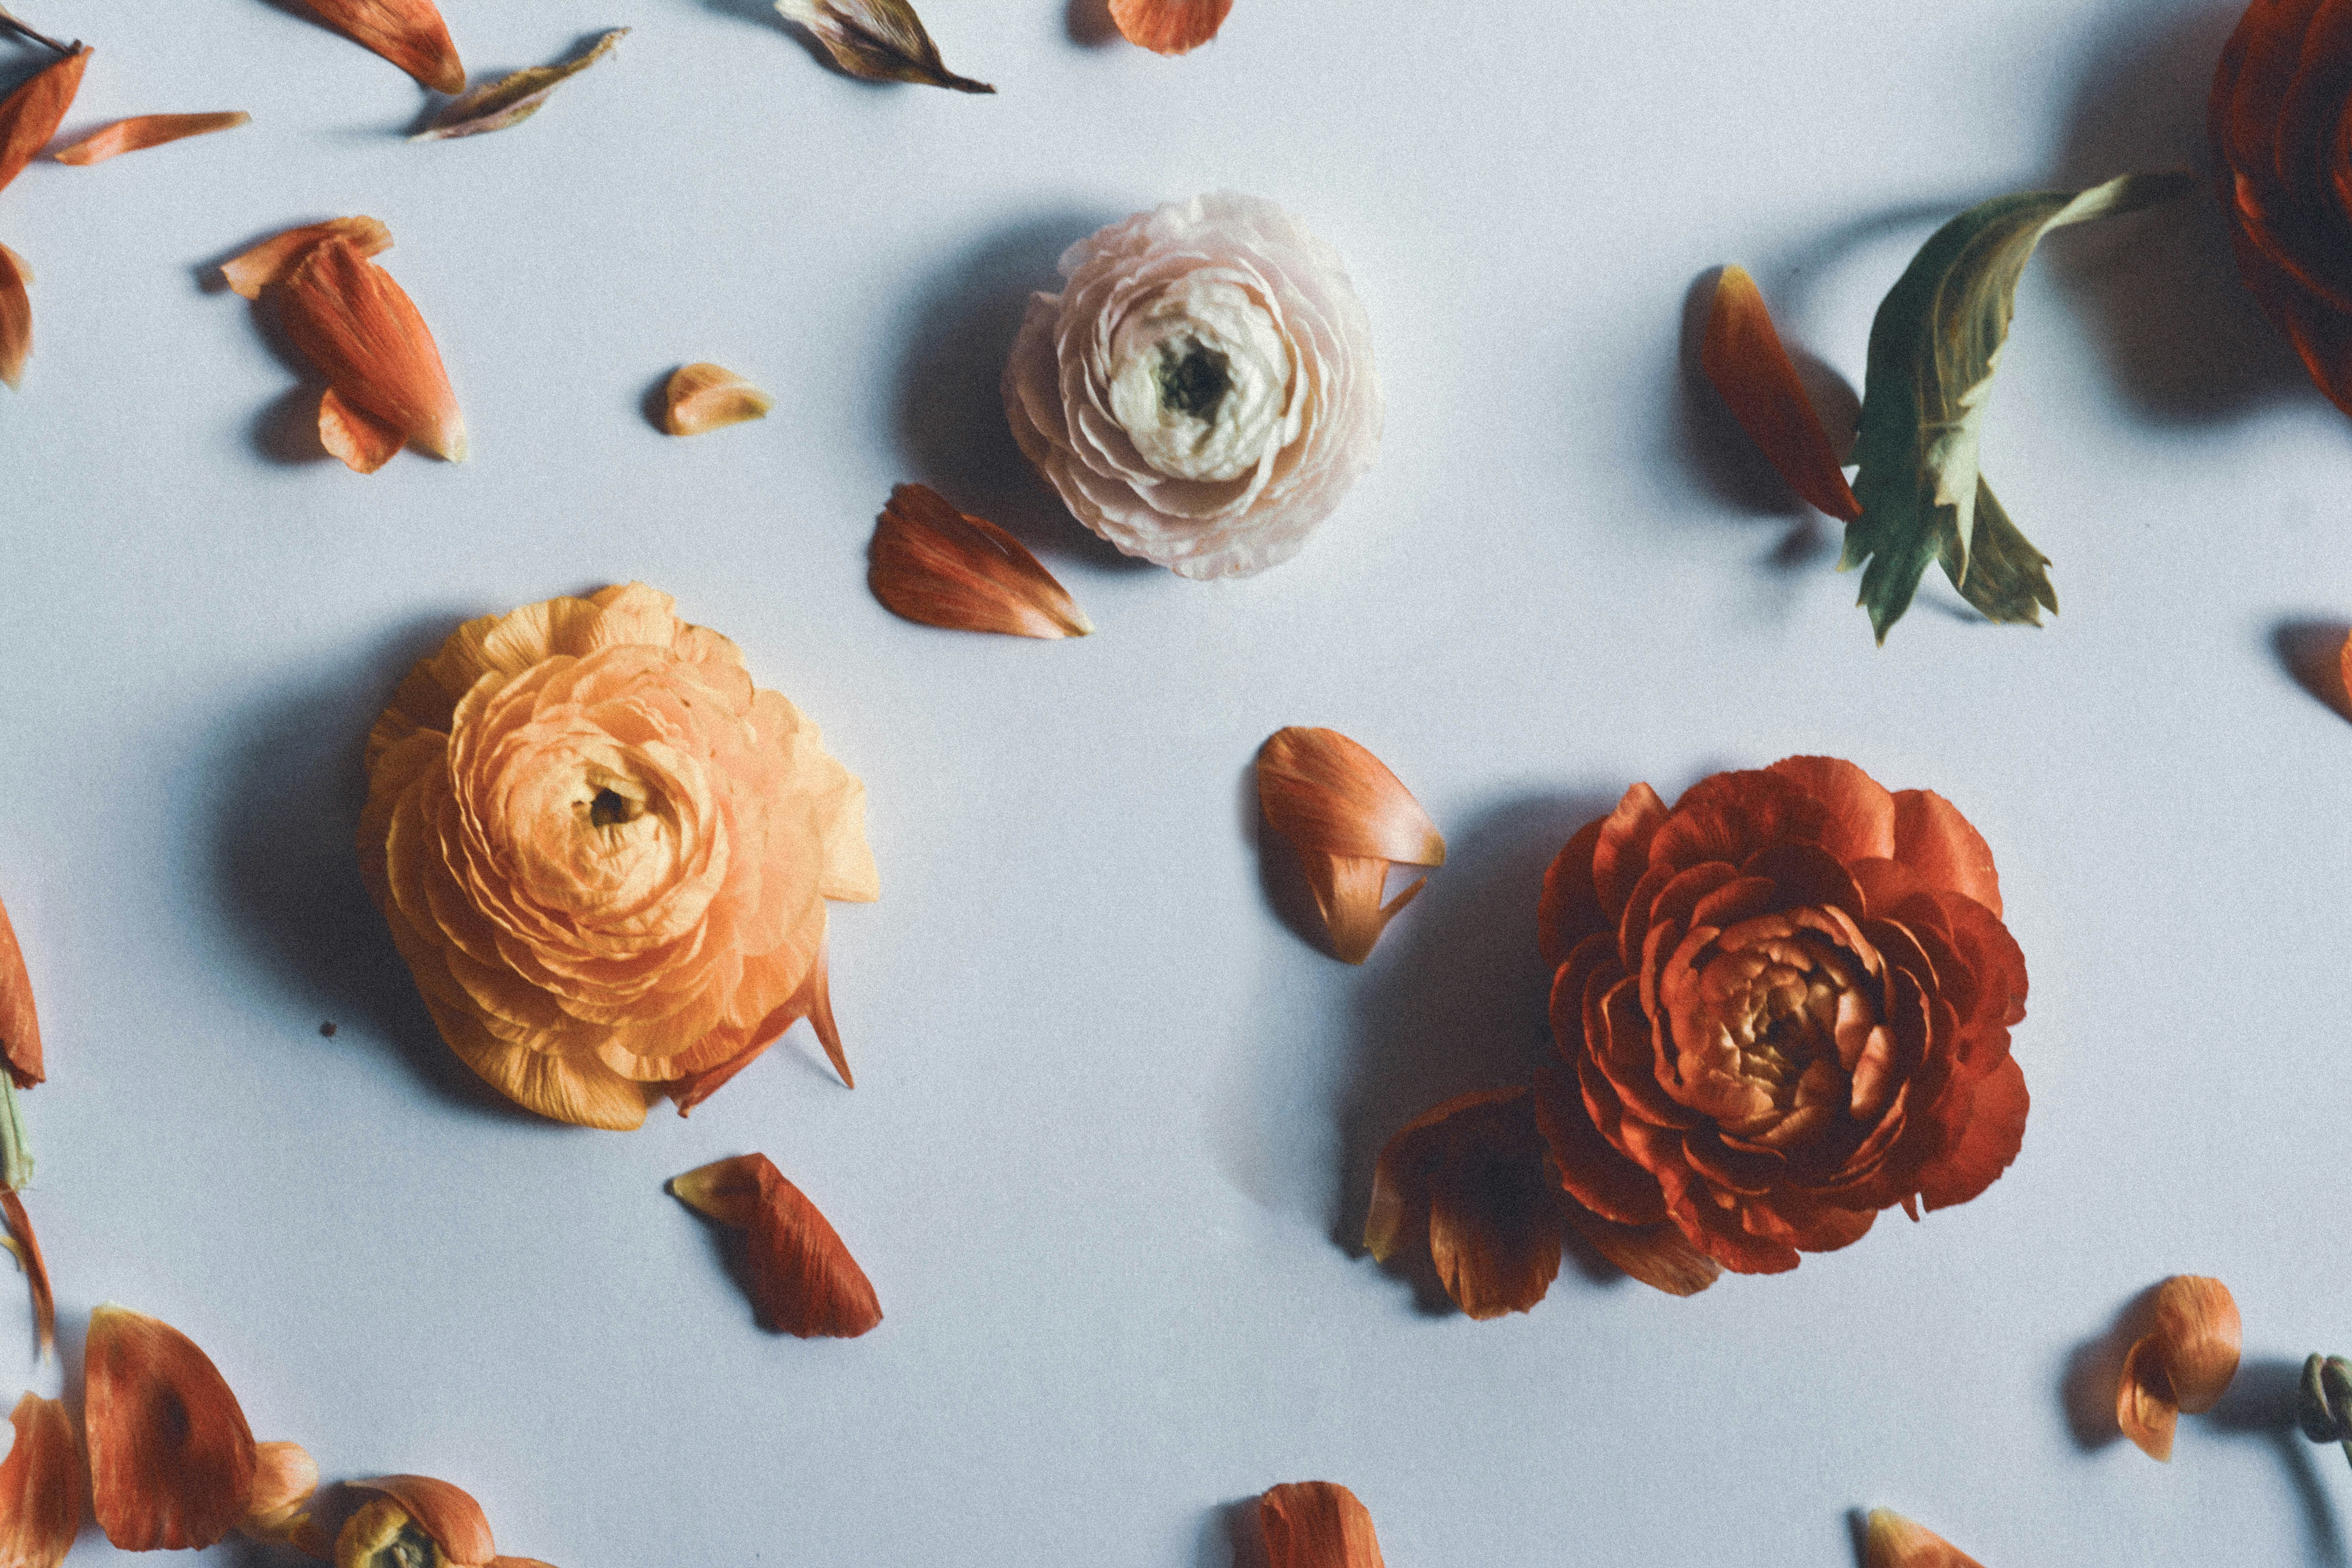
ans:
(350, 319)
(1471, 1171)
(30, 115)
(20, 1025)
(15, 348)
(447, 1514)
(172, 1461)
(2184, 1361)
(1893, 1541)
(880, 40)
(1317, 1524)
(1743, 357)
(27, 1248)
(932, 563)
(1170, 27)
(40, 1486)
(1350, 819)
(274, 257)
(1660, 1255)
(285, 1480)
(704, 397)
(143, 131)
(804, 1280)
(512, 100)
(409, 33)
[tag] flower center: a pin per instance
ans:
(609, 809)
(1201, 380)
(1193, 379)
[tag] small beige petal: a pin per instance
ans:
(512, 100)
(705, 396)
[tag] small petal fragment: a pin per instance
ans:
(20, 1025)
(409, 33)
(704, 396)
(1170, 27)
(512, 100)
(350, 319)
(274, 257)
(1317, 1524)
(15, 348)
(40, 1486)
(880, 40)
(1743, 357)
(2184, 1361)
(285, 1480)
(1469, 1176)
(30, 115)
(1893, 1541)
(449, 1515)
(27, 1248)
(804, 1280)
(172, 1461)
(932, 563)
(145, 131)
(1351, 820)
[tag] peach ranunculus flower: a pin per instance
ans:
(1202, 393)
(606, 854)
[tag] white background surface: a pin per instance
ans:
(1113, 1111)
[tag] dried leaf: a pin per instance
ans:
(31, 115)
(1893, 1541)
(932, 563)
(40, 1486)
(15, 348)
(285, 1480)
(804, 1280)
(512, 100)
(350, 319)
(409, 33)
(880, 40)
(1468, 1178)
(2185, 1361)
(704, 396)
(445, 1513)
(1170, 27)
(274, 257)
(27, 1249)
(20, 1024)
(145, 131)
(1742, 355)
(1351, 820)
(172, 1461)
(1317, 1524)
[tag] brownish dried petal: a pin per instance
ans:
(448, 1514)
(880, 40)
(2185, 1361)
(704, 396)
(1350, 820)
(409, 33)
(512, 100)
(1893, 1541)
(1317, 1524)
(15, 348)
(1170, 27)
(172, 1460)
(1742, 355)
(145, 131)
(30, 115)
(804, 1280)
(20, 1024)
(932, 563)
(274, 257)
(1469, 1177)
(40, 1486)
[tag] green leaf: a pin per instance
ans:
(1933, 351)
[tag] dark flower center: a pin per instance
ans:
(1193, 378)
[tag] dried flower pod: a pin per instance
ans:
(31, 115)
(2184, 1361)
(1893, 1541)
(415, 1509)
(15, 348)
(285, 1480)
(880, 40)
(274, 257)
(804, 1280)
(1317, 1524)
(512, 100)
(932, 563)
(409, 33)
(1170, 27)
(143, 131)
(172, 1461)
(20, 1024)
(41, 1485)
(1469, 1175)
(703, 396)
(1351, 820)
(1742, 355)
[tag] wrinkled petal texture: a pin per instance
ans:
(40, 1486)
(171, 1462)
(1170, 27)
(1779, 1007)
(804, 1280)
(603, 853)
(2185, 1361)
(409, 33)
(1469, 1177)
(1202, 393)
(1317, 1524)
(1893, 1541)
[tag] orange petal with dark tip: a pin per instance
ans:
(27, 1248)
(143, 131)
(31, 115)
(804, 1280)
(1743, 357)
(705, 397)
(172, 1461)
(1660, 1255)
(274, 257)
(1170, 27)
(409, 33)
(932, 563)
(350, 319)
(1893, 1541)
(16, 334)
(40, 1486)
(1350, 819)
(1468, 1177)
(2186, 1361)
(448, 1513)
(1317, 1524)
(20, 1024)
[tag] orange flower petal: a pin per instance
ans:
(274, 257)
(350, 319)
(448, 1514)
(1893, 1541)
(812, 1001)
(172, 1461)
(2185, 1361)
(409, 33)
(145, 131)
(804, 1280)
(1351, 820)
(40, 1486)
(704, 396)
(27, 1248)
(15, 348)
(1743, 356)
(285, 1480)
(932, 563)
(1170, 27)
(1659, 1255)
(1317, 1524)
(364, 442)
(20, 1025)
(1471, 1171)
(30, 115)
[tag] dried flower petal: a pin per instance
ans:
(1471, 1172)
(171, 1459)
(512, 100)
(1893, 1541)
(27, 1249)
(1170, 27)
(409, 33)
(1317, 1524)
(1660, 1255)
(143, 131)
(351, 320)
(285, 1480)
(31, 115)
(880, 40)
(446, 1514)
(2184, 1361)
(804, 1280)
(812, 1001)
(15, 348)
(1743, 357)
(932, 563)
(20, 1025)
(704, 396)
(274, 257)
(40, 1486)
(1351, 820)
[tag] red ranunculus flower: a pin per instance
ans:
(1779, 1007)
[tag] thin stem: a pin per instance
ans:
(22, 31)
(16, 1149)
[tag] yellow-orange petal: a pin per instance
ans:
(1660, 1255)
(448, 1513)
(285, 1480)
(1469, 1176)
(350, 319)
(15, 324)
(704, 396)
(1350, 820)
(172, 1461)
(1317, 1524)
(274, 257)
(20, 1024)
(942, 567)
(144, 131)
(804, 1281)
(1743, 356)
(30, 115)
(27, 1248)
(1893, 1541)
(1170, 27)
(2185, 1361)
(409, 33)
(364, 442)
(40, 1486)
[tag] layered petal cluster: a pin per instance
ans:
(606, 854)
(2186, 1361)
(1781, 1006)
(1202, 393)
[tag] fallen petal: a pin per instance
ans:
(350, 319)
(804, 1280)
(274, 257)
(1659, 1255)
(1350, 820)
(1468, 1177)
(932, 563)
(172, 1461)
(703, 398)
(445, 1514)
(145, 131)
(20, 1025)
(409, 33)
(40, 1486)
(1170, 27)
(285, 1480)
(1742, 355)
(30, 115)
(880, 40)
(1317, 1524)
(1893, 1541)
(512, 100)
(15, 348)
(2185, 1361)
(27, 1248)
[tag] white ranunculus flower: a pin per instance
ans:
(1202, 393)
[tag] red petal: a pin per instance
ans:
(1170, 27)
(1317, 1524)
(30, 115)
(1861, 812)
(350, 319)
(812, 1001)
(1570, 909)
(1323, 792)
(409, 33)
(1935, 840)
(1743, 356)
(448, 1513)
(932, 563)
(1893, 1541)
(40, 1486)
(804, 1280)
(171, 1459)
(2185, 1361)
(1472, 1171)
(1658, 1254)
(269, 261)
(364, 442)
